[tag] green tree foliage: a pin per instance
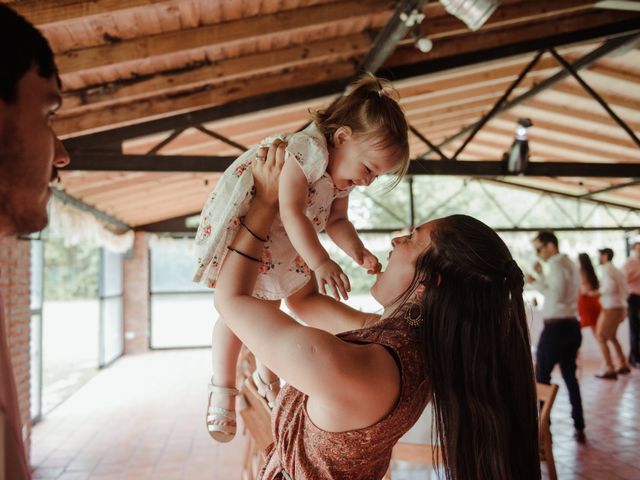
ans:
(72, 272)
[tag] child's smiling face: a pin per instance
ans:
(353, 160)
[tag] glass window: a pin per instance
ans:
(173, 265)
(113, 329)
(111, 274)
(182, 320)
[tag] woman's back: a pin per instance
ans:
(305, 451)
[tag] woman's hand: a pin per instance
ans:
(266, 170)
(329, 274)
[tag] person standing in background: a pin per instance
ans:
(588, 301)
(632, 273)
(561, 337)
(613, 298)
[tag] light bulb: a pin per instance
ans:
(424, 44)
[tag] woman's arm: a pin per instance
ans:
(321, 311)
(309, 359)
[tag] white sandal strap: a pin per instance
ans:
(222, 412)
(227, 429)
(261, 385)
(218, 390)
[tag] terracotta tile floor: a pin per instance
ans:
(142, 418)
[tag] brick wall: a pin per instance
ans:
(15, 275)
(136, 297)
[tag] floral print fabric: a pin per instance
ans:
(282, 271)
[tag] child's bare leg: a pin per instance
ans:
(225, 348)
(221, 417)
(267, 382)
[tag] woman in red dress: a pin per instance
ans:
(589, 299)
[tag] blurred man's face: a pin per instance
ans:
(543, 250)
(604, 258)
(30, 154)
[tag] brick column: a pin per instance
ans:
(15, 283)
(136, 297)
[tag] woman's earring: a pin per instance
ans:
(413, 314)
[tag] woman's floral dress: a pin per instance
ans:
(282, 271)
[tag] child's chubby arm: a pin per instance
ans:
(344, 234)
(293, 192)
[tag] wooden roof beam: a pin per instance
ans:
(206, 96)
(489, 76)
(613, 99)
(184, 163)
(567, 129)
(207, 35)
(461, 52)
(507, 15)
(41, 12)
(609, 47)
(575, 113)
(544, 139)
(226, 69)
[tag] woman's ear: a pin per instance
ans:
(418, 293)
(341, 135)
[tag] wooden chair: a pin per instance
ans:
(547, 395)
(256, 417)
(419, 453)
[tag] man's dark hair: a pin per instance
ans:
(547, 236)
(22, 46)
(608, 252)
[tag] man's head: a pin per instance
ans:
(30, 152)
(546, 244)
(606, 255)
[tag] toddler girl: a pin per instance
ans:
(359, 137)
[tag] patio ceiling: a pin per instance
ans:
(150, 87)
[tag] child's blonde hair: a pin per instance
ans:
(370, 109)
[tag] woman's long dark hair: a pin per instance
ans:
(587, 267)
(478, 353)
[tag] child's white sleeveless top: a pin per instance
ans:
(283, 271)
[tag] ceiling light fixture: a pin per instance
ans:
(472, 12)
(518, 157)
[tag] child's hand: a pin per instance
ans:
(329, 274)
(369, 261)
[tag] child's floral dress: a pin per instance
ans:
(282, 271)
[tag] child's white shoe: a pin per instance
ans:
(224, 428)
(267, 390)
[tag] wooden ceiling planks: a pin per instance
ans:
(133, 60)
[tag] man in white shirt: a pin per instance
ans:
(613, 298)
(560, 338)
(632, 273)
